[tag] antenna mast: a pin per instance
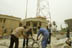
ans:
(43, 9)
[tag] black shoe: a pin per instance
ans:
(23, 47)
(27, 47)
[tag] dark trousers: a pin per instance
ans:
(68, 35)
(14, 40)
(25, 42)
(49, 39)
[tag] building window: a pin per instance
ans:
(34, 24)
(28, 23)
(20, 24)
(39, 23)
(4, 20)
(5, 30)
(0, 19)
(3, 27)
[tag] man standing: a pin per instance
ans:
(18, 32)
(68, 33)
(45, 34)
(25, 41)
(49, 39)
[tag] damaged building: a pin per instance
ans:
(35, 23)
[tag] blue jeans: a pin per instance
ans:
(44, 43)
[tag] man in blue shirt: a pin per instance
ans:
(45, 34)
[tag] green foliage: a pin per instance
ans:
(63, 30)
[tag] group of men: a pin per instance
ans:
(24, 32)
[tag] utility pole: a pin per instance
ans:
(26, 9)
(38, 8)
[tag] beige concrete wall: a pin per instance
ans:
(10, 23)
(43, 21)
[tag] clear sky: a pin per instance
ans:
(60, 9)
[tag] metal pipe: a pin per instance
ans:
(26, 9)
(38, 7)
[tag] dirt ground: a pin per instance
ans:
(4, 43)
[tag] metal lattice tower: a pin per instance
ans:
(43, 8)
